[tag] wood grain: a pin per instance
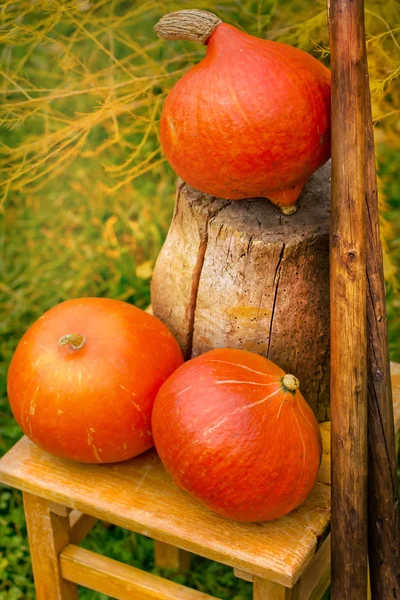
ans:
(48, 534)
(120, 581)
(317, 576)
(348, 302)
(241, 274)
(58, 509)
(383, 510)
(80, 525)
(139, 495)
(243, 575)
(266, 590)
(171, 557)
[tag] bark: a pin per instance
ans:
(241, 274)
(348, 302)
(383, 513)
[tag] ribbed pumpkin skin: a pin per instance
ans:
(251, 119)
(230, 436)
(93, 404)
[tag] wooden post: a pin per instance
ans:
(348, 302)
(171, 557)
(383, 514)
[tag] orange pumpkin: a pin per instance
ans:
(83, 379)
(251, 119)
(235, 432)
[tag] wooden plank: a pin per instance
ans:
(74, 517)
(118, 580)
(243, 575)
(383, 514)
(139, 495)
(348, 302)
(48, 534)
(59, 509)
(317, 577)
(171, 557)
(81, 525)
(266, 590)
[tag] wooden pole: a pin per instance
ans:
(383, 514)
(348, 302)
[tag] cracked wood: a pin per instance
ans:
(240, 274)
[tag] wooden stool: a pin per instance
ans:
(288, 558)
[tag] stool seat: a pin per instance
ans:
(286, 559)
(139, 495)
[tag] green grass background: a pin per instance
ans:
(88, 197)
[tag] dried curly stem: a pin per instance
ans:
(75, 340)
(191, 24)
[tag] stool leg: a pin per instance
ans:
(266, 590)
(170, 557)
(317, 576)
(48, 534)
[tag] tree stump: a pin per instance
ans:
(242, 274)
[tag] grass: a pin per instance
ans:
(88, 197)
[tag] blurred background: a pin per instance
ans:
(87, 196)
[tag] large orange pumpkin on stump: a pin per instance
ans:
(235, 432)
(251, 119)
(83, 379)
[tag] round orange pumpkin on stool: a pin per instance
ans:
(83, 379)
(234, 431)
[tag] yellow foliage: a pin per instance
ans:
(145, 270)
(83, 83)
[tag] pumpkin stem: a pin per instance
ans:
(76, 340)
(189, 24)
(290, 383)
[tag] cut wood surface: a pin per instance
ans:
(241, 274)
(317, 577)
(81, 525)
(139, 495)
(243, 575)
(267, 590)
(171, 557)
(314, 581)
